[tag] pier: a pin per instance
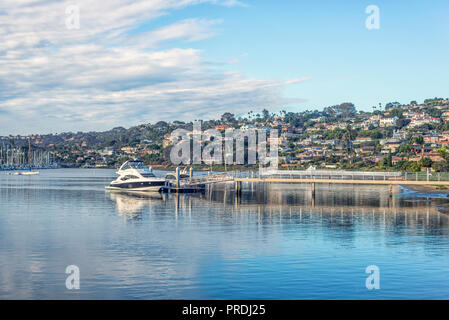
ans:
(321, 176)
(313, 177)
(346, 177)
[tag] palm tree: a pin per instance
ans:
(348, 137)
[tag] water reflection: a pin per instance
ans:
(272, 242)
(130, 204)
(340, 207)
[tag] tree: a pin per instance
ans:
(441, 166)
(444, 153)
(341, 111)
(396, 112)
(419, 140)
(266, 114)
(348, 137)
(414, 167)
(402, 123)
(376, 134)
(388, 160)
(391, 105)
(228, 117)
(427, 162)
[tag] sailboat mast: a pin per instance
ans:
(29, 151)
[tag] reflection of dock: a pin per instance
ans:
(424, 216)
(330, 177)
(276, 208)
(272, 204)
(343, 181)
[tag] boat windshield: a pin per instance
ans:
(134, 165)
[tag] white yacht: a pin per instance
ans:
(135, 176)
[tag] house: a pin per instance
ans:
(420, 119)
(370, 123)
(361, 140)
(108, 151)
(128, 150)
(434, 156)
(222, 127)
(247, 127)
(445, 116)
(391, 146)
(388, 122)
(367, 149)
(440, 144)
(168, 141)
(431, 139)
(395, 160)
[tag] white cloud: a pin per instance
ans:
(110, 72)
(233, 3)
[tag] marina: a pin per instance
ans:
(19, 158)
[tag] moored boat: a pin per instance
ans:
(26, 173)
(135, 176)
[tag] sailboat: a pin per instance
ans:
(28, 172)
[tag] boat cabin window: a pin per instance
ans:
(129, 177)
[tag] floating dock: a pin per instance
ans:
(193, 184)
(184, 189)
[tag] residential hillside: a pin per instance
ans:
(396, 136)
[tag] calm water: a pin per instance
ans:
(275, 242)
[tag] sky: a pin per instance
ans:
(133, 62)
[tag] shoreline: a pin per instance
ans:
(426, 189)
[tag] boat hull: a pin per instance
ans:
(138, 186)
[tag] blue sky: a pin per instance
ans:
(133, 62)
(407, 58)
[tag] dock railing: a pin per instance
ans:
(354, 175)
(346, 175)
(330, 174)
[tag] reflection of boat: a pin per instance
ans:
(130, 203)
(26, 173)
(136, 194)
(134, 175)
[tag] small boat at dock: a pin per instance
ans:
(26, 173)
